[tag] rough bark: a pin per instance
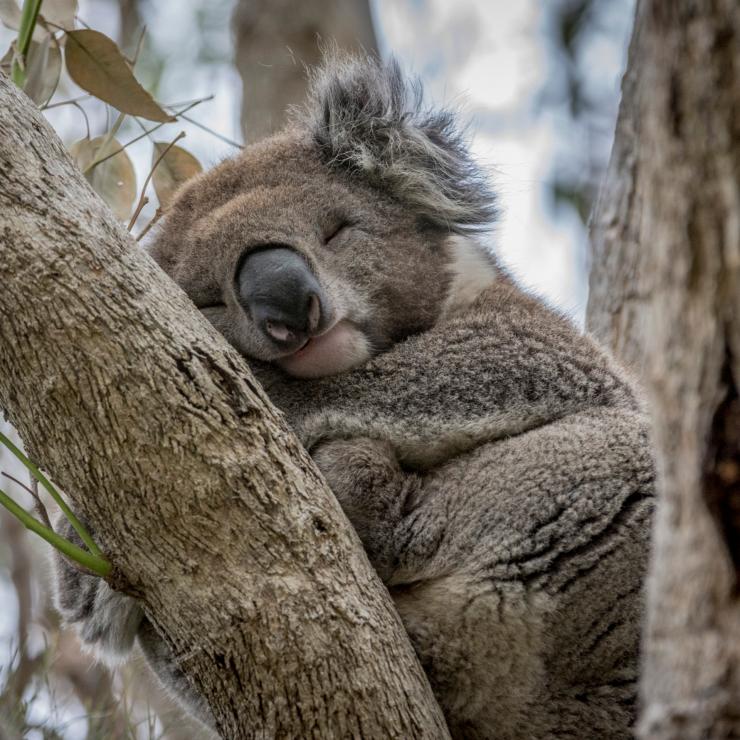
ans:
(276, 40)
(665, 294)
(202, 498)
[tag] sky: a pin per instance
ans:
(492, 60)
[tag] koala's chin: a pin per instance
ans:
(337, 350)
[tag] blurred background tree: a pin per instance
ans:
(539, 85)
(276, 40)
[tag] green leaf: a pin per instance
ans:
(43, 67)
(176, 167)
(96, 64)
(114, 180)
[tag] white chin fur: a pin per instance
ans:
(472, 272)
(339, 349)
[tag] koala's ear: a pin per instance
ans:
(368, 118)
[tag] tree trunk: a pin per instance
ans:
(665, 294)
(202, 498)
(276, 40)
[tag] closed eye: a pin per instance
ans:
(337, 231)
(207, 306)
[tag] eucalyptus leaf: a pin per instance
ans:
(43, 67)
(97, 65)
(60, 12)
(176, 167)
(114, 180)
(10, 14)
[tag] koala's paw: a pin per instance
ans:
(371, 487)
(349, 463)
(106, 621)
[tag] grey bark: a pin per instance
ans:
(205, 502)
(665, 294)
(276, 40)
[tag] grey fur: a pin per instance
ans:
(493, 460)
(369, 118)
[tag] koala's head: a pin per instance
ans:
(339, 237)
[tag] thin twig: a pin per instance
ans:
(135, 58)
(205, 128)
(57, 27)
(148, 131)
(188, 102)
(107, 139)
(157, 215)
(71, 101)
(84, 115)
(144, 200)
(40, 508)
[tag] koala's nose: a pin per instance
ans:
(282, 295)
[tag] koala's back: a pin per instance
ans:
(526, 585)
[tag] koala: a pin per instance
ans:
(494, 461)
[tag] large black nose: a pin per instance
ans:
(282, 295)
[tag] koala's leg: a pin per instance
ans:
(106, 621)
(372, 489)
(109, 623)
(520, 579)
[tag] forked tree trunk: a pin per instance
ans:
(203, 499)
(665, 294)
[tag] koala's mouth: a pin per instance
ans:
(336, 350)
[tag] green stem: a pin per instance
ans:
(41, 478)
(98, 565)
(29, 14)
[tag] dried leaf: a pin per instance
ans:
(113, 180)
(10, 14)
(60, 12)
(177, 166)
(43, 67)
(96, 64)
(82, 152)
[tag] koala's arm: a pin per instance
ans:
(109, 623)
(106, 620)
(372, 489)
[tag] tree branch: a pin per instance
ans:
(197, 491)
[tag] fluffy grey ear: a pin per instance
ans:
(368, 118)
